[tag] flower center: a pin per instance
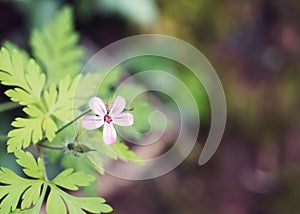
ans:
(107, 119)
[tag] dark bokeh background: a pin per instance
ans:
(254, 46)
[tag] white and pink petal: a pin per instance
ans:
(97, 106)
(123, 119)
(109, 133)
(91, 122)
(118, 106)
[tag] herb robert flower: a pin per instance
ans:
(107, 116)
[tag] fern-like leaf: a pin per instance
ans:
(26, 195)
(59, 200)
(123, 153)
(16, 69)
(31, 167)
(55, 47)
(59, 98)
(31, 129)
(14, 188)
(72, 180)
(42, 116)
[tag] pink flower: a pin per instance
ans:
(113, 114)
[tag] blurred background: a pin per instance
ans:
(254, 47)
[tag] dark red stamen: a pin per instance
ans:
(107, 118)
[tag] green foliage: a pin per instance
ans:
(17, 186)
(31, 191)
(50, 90)
(59, 201)
(43, 106)
(71, 181)
(116, 151)
(23, 73)
(31, 129)
(57, 104)
(98, 153)
(122, 152)
(56, 50)
(55, 47)
(59, 98)
(31, 167)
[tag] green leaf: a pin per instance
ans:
(115, 151)
(41, 115)
(55, 203)
(50, 127)
(37, 207)
(59, 98)
(15, 187)
(125, 154)
(10, 46)
(31, 129)
(71, 181)
(73, 204)
(55, 47)
(31, 167)
(30, 196)
(13, 68)
(16, 69)
(81, 162)
(58, 101)
(30, 193)
(96, 161)
(93, 139)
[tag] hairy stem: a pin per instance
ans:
(72, 121)
(49, 146)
